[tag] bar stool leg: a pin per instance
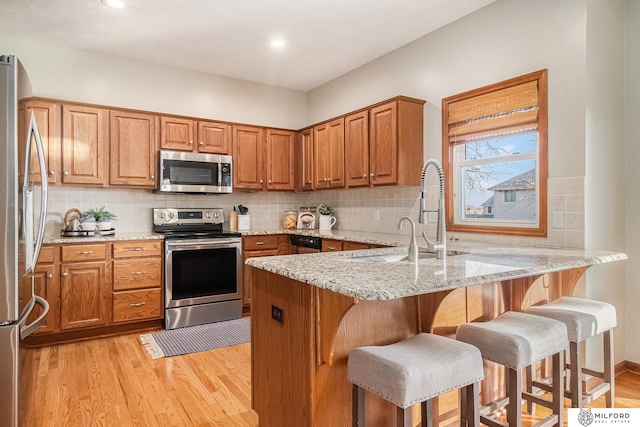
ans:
(607, 338)
(403, 417)
(514, 408)
(529, 378)
(575, 353)
(357, 410)
(558, 386)
(427, 413)
(472, 416)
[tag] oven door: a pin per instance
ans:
(199, 271)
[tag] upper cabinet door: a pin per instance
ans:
(328, 141)
(280, 159)
(356, 148)
(213, 137)
(384, 144)
(177, 133)
(47, 115)
(134, 142)
(248, 162)
(304, 161)
(336, 153)
(85, 134)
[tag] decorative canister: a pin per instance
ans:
(290, 219)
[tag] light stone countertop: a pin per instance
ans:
(348, 274)
(52, 239)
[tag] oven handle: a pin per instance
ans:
(202, 244)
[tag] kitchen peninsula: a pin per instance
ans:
(310, 311)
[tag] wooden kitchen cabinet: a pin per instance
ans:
(304, 161)
(383, 145)
(263, 159)
(48, 119)
(248, 160)
(328, 139)
(84, 287)
(137, 281)
(202, 136)
(331, 245)
(280, 164)
(134, 147)
(356, 149)
(46, 284)
(396, 142)
(258, 246)
(85, 142)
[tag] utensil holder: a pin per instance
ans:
(244, 222)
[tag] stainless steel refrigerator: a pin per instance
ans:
(23, 209)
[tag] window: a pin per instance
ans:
(509, 196)
(494, 146)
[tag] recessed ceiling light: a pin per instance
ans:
(117, 4)
(278, 43)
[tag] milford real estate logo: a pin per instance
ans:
(585, 417)
(597, 417)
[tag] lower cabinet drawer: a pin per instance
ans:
(137, 305)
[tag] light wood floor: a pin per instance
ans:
(114, 382)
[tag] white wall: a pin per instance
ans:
(632, 229)
(605, 160)
(76, 75)
(500, 41)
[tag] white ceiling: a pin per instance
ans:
(326, 38)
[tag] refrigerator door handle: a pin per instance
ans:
(27, 330)
(33, 130)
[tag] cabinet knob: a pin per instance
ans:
(190, 142)
(201, 143)
(138, 273)
(269, 181)
(309, 182)
(65, 173)
(52, 172)
(372, 174)
(261, 181)
(364, 175)
(49, 276)
(136, 304)
(153, 177)
(65, 274)
(84, 252)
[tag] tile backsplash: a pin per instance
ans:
(366, 209)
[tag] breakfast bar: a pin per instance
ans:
(309, 311)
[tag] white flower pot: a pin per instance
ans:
(104, 225)
(327, 221)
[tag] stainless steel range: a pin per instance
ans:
(202, 267)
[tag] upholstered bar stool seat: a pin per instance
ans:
(517, 340)
(413, 371)
(584, 319)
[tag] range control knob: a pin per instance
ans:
(216, 214)
(207, 215)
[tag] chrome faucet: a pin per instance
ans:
(440, 245)
(413, 246)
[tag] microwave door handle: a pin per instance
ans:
(33, 130)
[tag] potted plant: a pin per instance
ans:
(325, 210)
(327, 220)
(101, 216)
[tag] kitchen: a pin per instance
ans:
(431, 68)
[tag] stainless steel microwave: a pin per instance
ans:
(182, 172)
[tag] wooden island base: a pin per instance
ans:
(301, 338)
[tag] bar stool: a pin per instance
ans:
(584, 319)
(516, 340)
(414, 370)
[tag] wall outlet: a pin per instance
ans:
(277, 314)
(557, 219)
(376, 215)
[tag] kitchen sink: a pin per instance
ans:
(394, 257)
